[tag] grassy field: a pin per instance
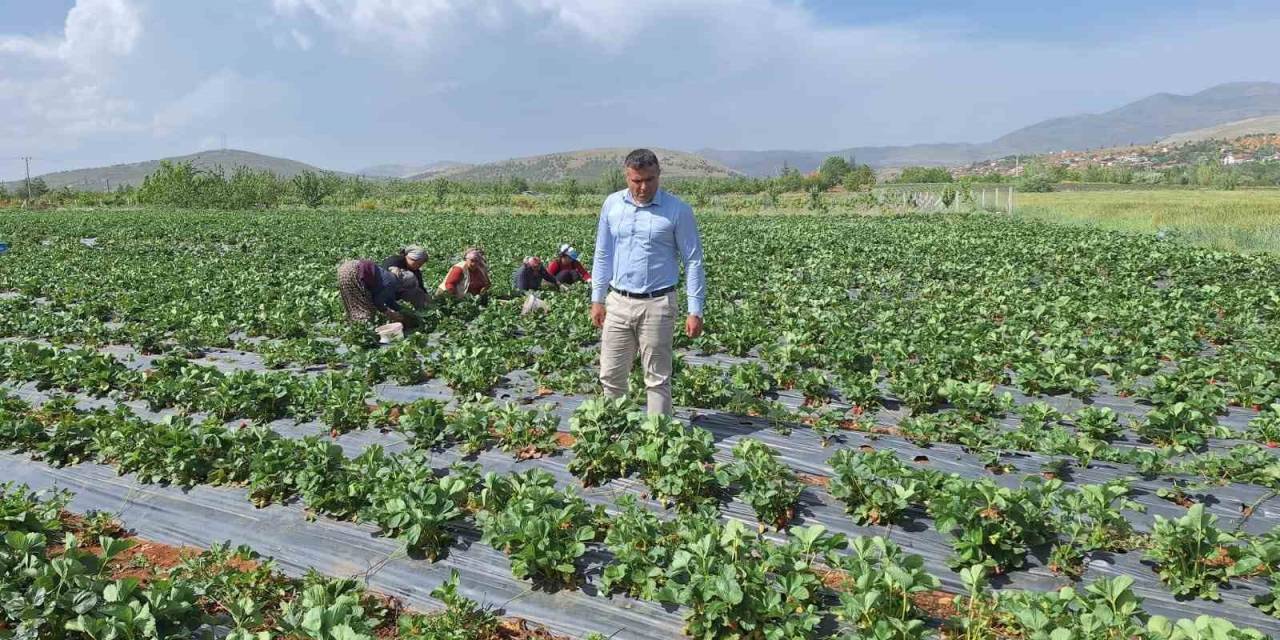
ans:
(1234, 220)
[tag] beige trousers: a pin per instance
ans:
(646, 326)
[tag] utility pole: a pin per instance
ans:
(27, 161)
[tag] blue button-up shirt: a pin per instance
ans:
(639, 248)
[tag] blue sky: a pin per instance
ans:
(349, 83)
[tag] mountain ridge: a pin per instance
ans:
(132, 173)
(1145, 120)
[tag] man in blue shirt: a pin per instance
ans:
(643, 237)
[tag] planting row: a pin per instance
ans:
(67, 576)
(988, 525)
(75, 577)
(341, 401)
(925, 302)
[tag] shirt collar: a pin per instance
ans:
(656, 202)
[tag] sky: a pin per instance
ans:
(344, 84)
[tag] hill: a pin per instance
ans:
(585, 165)
(1146, 120)
(409, 170)
(1141, 122)
(98, 178)
(1228, 131)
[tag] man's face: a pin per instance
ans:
(642, 183)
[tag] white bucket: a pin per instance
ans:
(389, 333)
(532, 303)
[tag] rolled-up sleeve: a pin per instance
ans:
(602, 264)
(689, 244)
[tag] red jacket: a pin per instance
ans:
(555, 268)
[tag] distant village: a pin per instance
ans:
(1259, 148)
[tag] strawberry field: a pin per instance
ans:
(961, 426)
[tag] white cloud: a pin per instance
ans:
(224, 92)
(301, 39)
(95, 32)
(62, 84)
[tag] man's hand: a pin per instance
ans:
(693, 326)
(597, 315)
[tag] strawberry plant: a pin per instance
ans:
(916, 387)
(409, 503)
(1193, 556)
(875, 487)
(1107, 608)
(470, 369)
(544, 531)
(1099, 423)
(472, 424)
(340, 401)
(323, 479)
(769, 486)
(604, 433)
(675, 463)
(642, 546)
(527, 434)
(975, 400)
(1243, 463)
(861, 389)
(24, 511)
(424, 423)
(328, 609)
(462, 618)
(876, 591)
(1180, 426)
(992, 525)
(1091, 517)
(1161, 628)
(1266, 427)
(701, 386)
(736, 585)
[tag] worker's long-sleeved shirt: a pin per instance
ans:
(639, 248)
(478, 284)
(527, 278)
(554, 268)
(384, 289)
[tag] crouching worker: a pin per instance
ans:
(467, 278)
(530, 275)
(369, 291)
(410, 258)
(565, 267)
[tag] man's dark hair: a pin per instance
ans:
(641, 159)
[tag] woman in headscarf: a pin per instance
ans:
(530, 275)
(467, 278)
(368, 290)
(410, 258)
(565, 267)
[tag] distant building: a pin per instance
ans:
(1231, 159)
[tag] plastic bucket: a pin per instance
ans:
(389, 333)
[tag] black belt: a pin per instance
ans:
(643, 296)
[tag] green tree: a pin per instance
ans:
(862, 176)
(311, 188)
(1035, 183)
(833, 169)
(790, 179)
(614, 180)
(571, 193)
